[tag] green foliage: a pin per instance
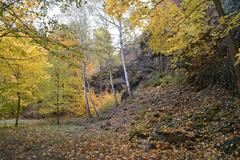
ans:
(171, 80)
(22, 69)
(43, 111)
(166, 117)
(155, 80)
(104, 53)
(65, 83)
(8, 110)
(139, 131)
(159, 79)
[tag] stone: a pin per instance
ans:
(149, 146)
(106, 125)
(231, 145)
(174, 136)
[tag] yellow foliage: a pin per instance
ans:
(170, 27)
(116, 8)
(23, 66)
(91, 69)
(103, 101)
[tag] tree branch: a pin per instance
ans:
(19, 59)
(187, 16)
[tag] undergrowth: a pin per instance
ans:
(159, 79)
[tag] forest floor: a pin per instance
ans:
(174, 122)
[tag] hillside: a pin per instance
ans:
(120, 79)
(172, 122)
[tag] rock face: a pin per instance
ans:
(140, 65)
(231, 6)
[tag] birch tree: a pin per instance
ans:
(79, 23)
(117, 22)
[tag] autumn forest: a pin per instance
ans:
(119, 79)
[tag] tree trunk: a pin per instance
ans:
(58, 94)
(123, 59)
(100, 78)
(232, 48)
(85, 87)
(91, 100)
(161, 63)
(111, 81)
(18, 108)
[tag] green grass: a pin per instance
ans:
(21, 122)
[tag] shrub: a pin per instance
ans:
(166, 118)
(138, 131)
(8, 110)
(163, 80)
(155, 80)
(171, 80)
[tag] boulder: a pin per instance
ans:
(229, 146)
(106, 125)
(171, 135)
(148, 146)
